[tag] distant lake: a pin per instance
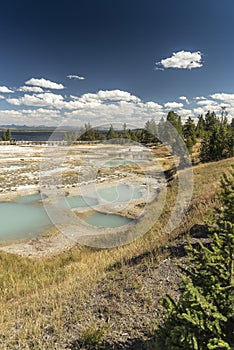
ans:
(37, 135)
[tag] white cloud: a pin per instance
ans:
(199, 110)
(183, 112)
(206, 102)
(184, 98)
(200, 98)
(5, 89)
(73, 97)
(78, 104)
(104, 106)
(88, 97)
(182, 60)
(121, 112)
(73, 76)
(204, 109)
(30, 117)
(101, 97)
(228, 98)
(46, 99)
(9, 112)
(172, 105)
(153, 105)
(44, 83)
(110, 106)
(89, 100)
(30, 89)
(116, 95)
(40, 112)
(158, 68)
(2, 97)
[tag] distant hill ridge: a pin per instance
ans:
(30, 128)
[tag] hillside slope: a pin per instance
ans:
(102, 299)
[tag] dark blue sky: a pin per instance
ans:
(114, 45)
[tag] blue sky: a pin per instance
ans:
(73, 61)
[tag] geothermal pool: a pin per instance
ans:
(107, 220)
(119, 193)
(22, 221)
(35, 197)
(77, 202)
(26, 217)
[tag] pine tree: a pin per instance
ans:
(8, 135)
(203, 318)
(87, 133)
(175, 120)
(200, 127)
(210, 121)
(218, 140)
(230, 139)
(189, 144)
(189, 130)
(111, 133)
(150, 130)
(3, 137)
(232, 123)
(205, 155)
(161, 129)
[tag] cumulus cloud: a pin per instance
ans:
(228, 98)
(116, 95)
(110, 98)
(103, 106)
(76, 77)
(9, 112)
(200, 98)
(181, 60)
(173, 105)
(104, 96)
(153, 105)
(30, 117)
(88, 100)
(116, 112)
(184, 98)
(205, 109)
(206, 102)
(110, 106)
(44, 83)
(201, 109)
(112, 95)
(40, 112)
(183, 112)
(5, 89)
(46, 99)
(30, 89)
(198, 110)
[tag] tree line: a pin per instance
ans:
(5, 135)
(215, 133)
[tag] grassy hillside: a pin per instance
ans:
(106, 299)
